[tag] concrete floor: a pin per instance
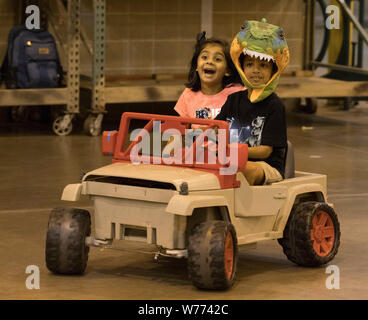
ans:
(36, 165)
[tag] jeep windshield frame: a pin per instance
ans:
(189, 156)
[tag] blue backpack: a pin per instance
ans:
(31, 60)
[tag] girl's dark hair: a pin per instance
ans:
(194, 82)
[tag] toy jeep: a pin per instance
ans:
(197, 208)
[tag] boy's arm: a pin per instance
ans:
(259, 152)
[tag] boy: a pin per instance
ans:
(260, 54)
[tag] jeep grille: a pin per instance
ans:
(131, 182)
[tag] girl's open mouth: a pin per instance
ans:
(209, 71)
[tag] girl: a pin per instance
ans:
(212, 77)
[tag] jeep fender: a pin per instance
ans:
(72, 192)
(285, 211)
(184, 205)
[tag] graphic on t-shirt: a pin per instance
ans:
(207, 113)
(249, 134)
(203, 113)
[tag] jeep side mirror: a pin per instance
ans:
(109, 142)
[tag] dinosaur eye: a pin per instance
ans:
(244, 26)
(281, 34)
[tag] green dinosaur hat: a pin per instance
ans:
(264, 41)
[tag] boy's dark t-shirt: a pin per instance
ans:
(261, 123)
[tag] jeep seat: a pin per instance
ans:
(289, 161)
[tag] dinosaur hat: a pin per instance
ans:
(266, 42)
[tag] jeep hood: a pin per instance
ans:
(197, 180)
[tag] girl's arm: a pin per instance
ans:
(181, 106)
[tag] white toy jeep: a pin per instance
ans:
(190, 201)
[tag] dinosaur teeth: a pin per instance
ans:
(259, 55)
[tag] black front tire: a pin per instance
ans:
(66, 251)
(312, 234)
(213, 255)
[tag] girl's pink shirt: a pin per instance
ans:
(190, 102)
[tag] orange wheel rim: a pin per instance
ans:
(229, 255)
(322, 233)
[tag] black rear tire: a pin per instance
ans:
(66, 251)
(306, 243)
(213, 255)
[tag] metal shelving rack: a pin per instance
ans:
(68, 95)
(92, 124)
(332, 86)
(103, 94)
